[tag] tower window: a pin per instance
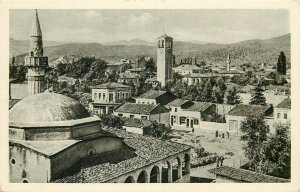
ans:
(13, 161)
(162, 43)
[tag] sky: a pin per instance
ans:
(103, 26)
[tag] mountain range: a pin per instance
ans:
(253, 51)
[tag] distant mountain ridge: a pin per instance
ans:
(131, 42)
(250, 51)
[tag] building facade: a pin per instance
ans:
(282, 111)
(106, 97)
(164, 59)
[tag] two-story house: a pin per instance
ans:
(107, 96)
(282, 111)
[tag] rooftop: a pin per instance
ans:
(199, 106)
(46, 108)
(245, 175)
(152, 94)
(47, 148)
(136, 108)
(187, 67)
(129, 75)
(201, 75)
(231, 72)
(140, 151)
(249, 110)
(177, 103)
(286, 104)
(110, 85)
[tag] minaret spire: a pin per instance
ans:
(35, 61)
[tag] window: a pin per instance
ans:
(95, 95)
(182, 120)
(144, 117)
(162, 43)
(175, 109)
(123, 94)
(111, 97)
(99, 95)
(13, 161)
(119, 96)
(131, 116)
(104, 96)
(278, 115)
(285, 116)
(120, 115)
(196, 122)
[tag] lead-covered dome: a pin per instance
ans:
(46, 108)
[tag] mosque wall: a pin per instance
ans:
(16, 133)
(25, 163)
(65, 159)
(47, 134)
(87, 129)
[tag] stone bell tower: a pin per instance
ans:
(35, 61)
(164, 59)
(228, 62)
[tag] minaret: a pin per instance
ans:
(164, 59)
(228, 62)
(35, 61)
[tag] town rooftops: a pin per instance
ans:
(140, 151)
(231, 72)
(134, 122)
(152, 94)
(246, 175)
(178, 103)
(199, 106)
(110, 86)
(187, 67)
(286, 104)
(136, 108)
(200, 75)
(250, 110)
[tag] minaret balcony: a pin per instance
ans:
(31, 61)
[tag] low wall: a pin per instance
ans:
(212, 126)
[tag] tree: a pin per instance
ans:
(232, 98)
(281, 63)
(207, 92)
(111, 121)
(278, 152)
(254, 132)
(150, 65)
(258, 97)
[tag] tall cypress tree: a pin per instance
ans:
(281, 64)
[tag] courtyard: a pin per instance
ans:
(211, 147)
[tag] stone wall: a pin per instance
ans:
(24, 165)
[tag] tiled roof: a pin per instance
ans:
(140, 151)
(177, 103)
(187, 67)
(286, 104)
(199, 106)
(152, 94)
(134, 122)
(110, 86)
(200, 75)
(231, 72)
(249, 110)
(245, 175)
(135, 108)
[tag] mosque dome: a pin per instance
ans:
(46, 108)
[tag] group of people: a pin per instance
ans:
(222, 135)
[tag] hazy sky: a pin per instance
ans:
(101, 26)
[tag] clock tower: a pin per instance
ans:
(164, 59)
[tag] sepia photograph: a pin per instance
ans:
(149, 96)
